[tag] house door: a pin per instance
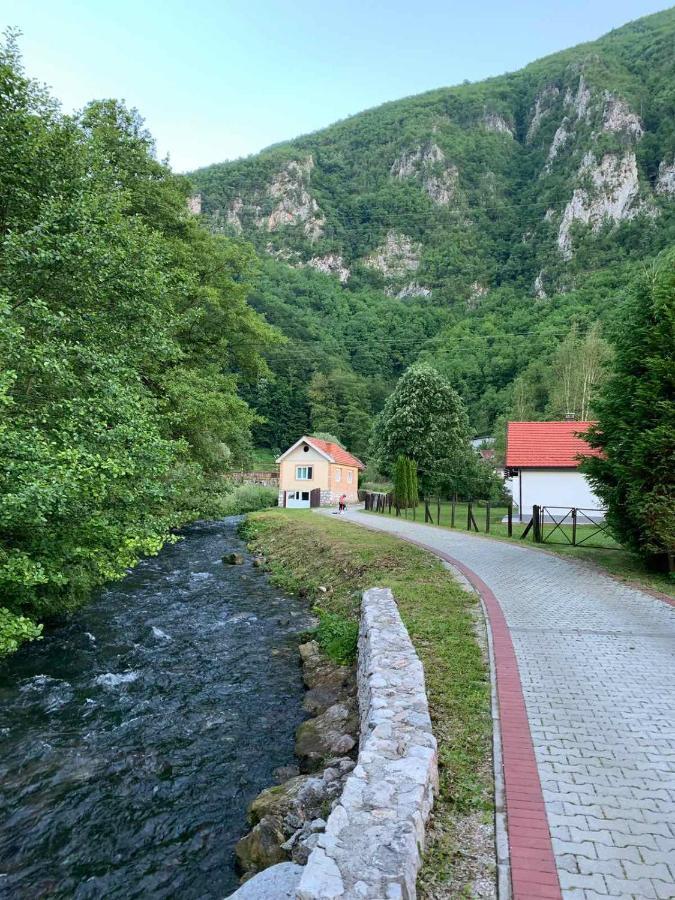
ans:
(315, 498)
(297, 499)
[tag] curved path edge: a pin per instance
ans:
(534, 875)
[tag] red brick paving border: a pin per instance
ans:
(534, 875)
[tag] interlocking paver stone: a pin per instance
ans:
(596, 659)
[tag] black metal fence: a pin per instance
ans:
(573, 525)
(560, 525)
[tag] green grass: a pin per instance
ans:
(263, 460)
(602, 550)
(307, 552)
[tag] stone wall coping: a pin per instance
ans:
(374, 837)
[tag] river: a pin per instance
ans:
(133, 737)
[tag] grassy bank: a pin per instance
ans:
(601, 550)
(334, 562)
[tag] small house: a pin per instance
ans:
(542, 462)
(314, 472)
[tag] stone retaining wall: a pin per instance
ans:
(374, 836)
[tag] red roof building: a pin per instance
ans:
(555, 445)
(542, 465)
(314, 472)
(337, 453)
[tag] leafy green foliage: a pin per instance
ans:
(15, 630)
(406, 490)
(125, 334)
(423, 420)
(247, 498)
(636, 419)
(337, 636)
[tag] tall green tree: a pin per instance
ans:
(125, 335)
(635, 476)
(424, 420)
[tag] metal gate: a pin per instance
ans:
(570, 525)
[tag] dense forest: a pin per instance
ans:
(490, 229)
(125, 335)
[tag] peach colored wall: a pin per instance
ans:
(323, 476)
(343, 486)
(320, 475)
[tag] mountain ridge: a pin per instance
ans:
(449, 202)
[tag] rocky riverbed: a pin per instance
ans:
(288, 818)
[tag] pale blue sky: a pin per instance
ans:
(217, 79)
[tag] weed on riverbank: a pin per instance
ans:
(333, 562)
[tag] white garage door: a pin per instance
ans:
(297, 499)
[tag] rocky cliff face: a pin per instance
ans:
(294, 203)
(396, 257)
(428, 165)
(665, 183)
(610, 194)
(457, 177)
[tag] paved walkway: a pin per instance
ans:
(595, 665)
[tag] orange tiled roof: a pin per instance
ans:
(336, 452)
(547, 444)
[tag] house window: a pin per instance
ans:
(338, 475)
(303, 473)
(350, 476)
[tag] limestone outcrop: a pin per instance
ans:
(331, 264)
(618, 117)
(610, 194)
(579, 104)
(494, 122)
(543, 104)
(396, 257)
(293, 203)
(412, 289)
(428, 163)
(665, 183)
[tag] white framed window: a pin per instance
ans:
(338, 474)
(303, 473)
(350, 476)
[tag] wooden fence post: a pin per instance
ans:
(469, 515)
(427, 512)
(487, 518)
(438, 510)
(510, 519)
(536, 525)
(574, 526)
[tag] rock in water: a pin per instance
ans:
(261, 847)
(332, 733)
(233, 559)
(279, 882)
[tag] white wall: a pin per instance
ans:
(552, 487)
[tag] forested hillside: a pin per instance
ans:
(485, 227)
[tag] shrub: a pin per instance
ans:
(247, 498)
(337, 636)
(14, 630)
